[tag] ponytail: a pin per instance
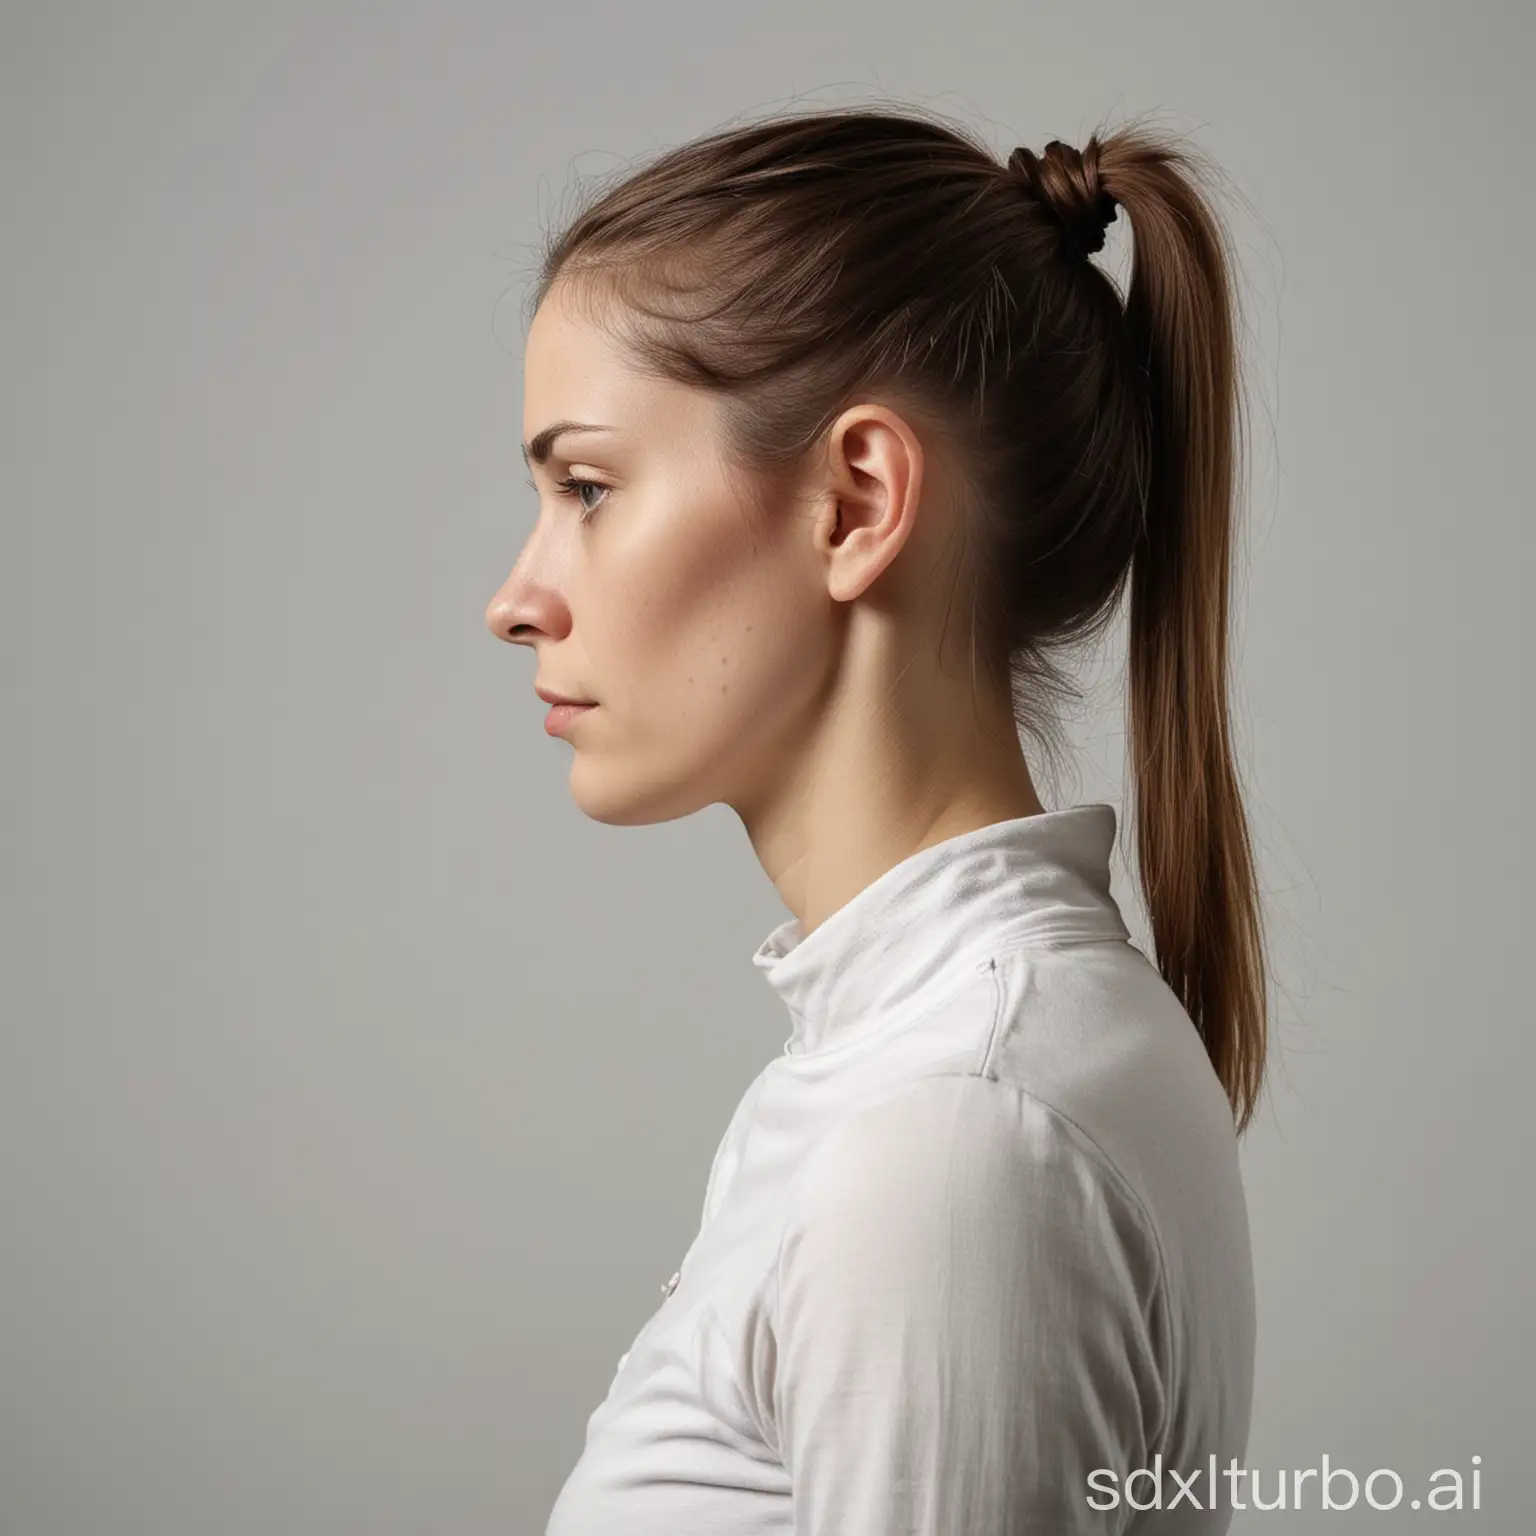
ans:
(1192, 840)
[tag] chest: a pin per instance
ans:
(678, 1443)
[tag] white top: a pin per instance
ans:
(978, 1233)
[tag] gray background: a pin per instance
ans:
(356, 1094)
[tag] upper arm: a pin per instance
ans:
(966, 1318)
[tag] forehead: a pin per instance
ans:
(576, 368)
(567, 355)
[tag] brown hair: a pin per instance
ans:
(795, 265)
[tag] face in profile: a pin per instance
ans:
(694, 615)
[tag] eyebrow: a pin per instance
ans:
(537, 450)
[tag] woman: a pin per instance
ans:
(840, 437)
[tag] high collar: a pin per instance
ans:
(904, 940)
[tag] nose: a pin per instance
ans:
(522, 612)
(527, 606)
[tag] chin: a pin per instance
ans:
(620, 797)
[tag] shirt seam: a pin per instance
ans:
(987, 1068)
(767, 1433)
(1129, 1190)
(1149, 1230)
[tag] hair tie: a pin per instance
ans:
(1083, 219)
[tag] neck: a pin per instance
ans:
(876, 784)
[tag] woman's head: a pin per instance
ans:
(887, 443)
(730, 620)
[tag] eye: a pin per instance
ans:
(571, 488)
(574, 486)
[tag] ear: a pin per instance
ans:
(874, 480)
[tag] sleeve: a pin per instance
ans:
(967, 1322)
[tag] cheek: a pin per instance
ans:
(715, 637)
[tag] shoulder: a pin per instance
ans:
(960, 1164)
(962, 1243)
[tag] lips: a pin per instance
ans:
(561, 715)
